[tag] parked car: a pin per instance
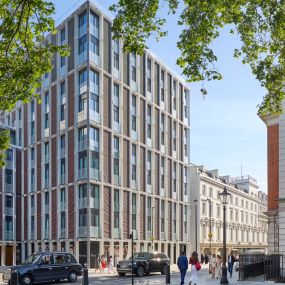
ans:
(46, 266)
(144, 263)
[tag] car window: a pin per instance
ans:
(151, 256)
(59, 258)
(46, 259)
(70, 258)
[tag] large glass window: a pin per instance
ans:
(116, 53)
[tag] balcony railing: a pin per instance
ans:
(117, 233)
(82, 203)
(82, 145)
(9, 235)
(9, 211)
(62, 233)
(95, 116)
(62, 152)
(82, 231)
(117, 180)
(32, 234)
(9, 188)
(82, 116)
(46, 208)
(46, 234)
(162, 236)
(62, 179)
(94, 203)
(95, 232)
(9, 164)
(94, 145)
(82, 57)
(95, 174)
(82, 173)
(62, 206)
(82, 30)
(148, 235)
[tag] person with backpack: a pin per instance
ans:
(195, 266)
(182, 264)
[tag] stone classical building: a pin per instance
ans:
(245, 214)
(107, 151)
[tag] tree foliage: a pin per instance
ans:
(260, 24)
(25, 52)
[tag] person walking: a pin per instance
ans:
(202, 258)
(214, 266)
(193, 260)
(182, 264)
(206, 259)
(111, 265)
(231, 261)
(219, 267)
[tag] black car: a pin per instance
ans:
(144, 263)
(46, 266)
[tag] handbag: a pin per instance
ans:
(198, 266)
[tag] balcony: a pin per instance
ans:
(9, 235)
(32, 210)
(82, 173)
(82, 57)
(82, 203)
(95, 232)
(9, 164)
(46, 132)
(94, 145)
(162, 236)
(9, 211)
(94, 58)
(62, 206)
(117, 233)
(46, 185)
(94, 203)
(63, 70)
(46, 234)
(62, 125)
(82, 116)
(117, 180)
(62, 152)
(83, 87)
(94, 116)
(62, 179)
(134, 185)
(94, 174)
(9, 188)
(32, 235)
(32, 187)
(149, 235)
(62, 233)
(82, 231)
(46, 208)
(82, 30)
(174, 195)
(82, 145)
(186, 237)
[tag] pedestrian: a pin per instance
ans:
(194, 261)
(231, 261)
(213, 266)
(206, 259)
(219, 266)
(111, 265)
(103, 263)
(202, 258)
(182, 264)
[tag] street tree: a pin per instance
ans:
(25, 53)
(260, 24)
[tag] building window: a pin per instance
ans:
(218, 212)
(133, 67)
(82, 20)
(162, 220)
(174, 177)
(162, 86)
(149, 214)
(134, 210)
(116, 53)
(162, 170)
(174, 218)
(174, 136)
(116, 209)
(148, 83)
(46, 121)
(148, 167)
(82, 78)
(82, 44)
(9, 201)
(162, 129)
(83, 217)
(174, 94)
(204, 209)
(149, 121)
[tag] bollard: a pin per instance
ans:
(14, 277)
(167, 276)
(85, 280)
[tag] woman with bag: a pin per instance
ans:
(195, 266)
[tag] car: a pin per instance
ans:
(144, 263)
(45, 266)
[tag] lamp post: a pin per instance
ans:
(224, 197)
(196, 226)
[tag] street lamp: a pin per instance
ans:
(196, 225)
(224, 197)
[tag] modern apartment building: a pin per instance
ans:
(106, 153)
(246, 220)
(10, 200)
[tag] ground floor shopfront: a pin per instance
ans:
(89, 251)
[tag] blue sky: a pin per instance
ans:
(225, 130)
